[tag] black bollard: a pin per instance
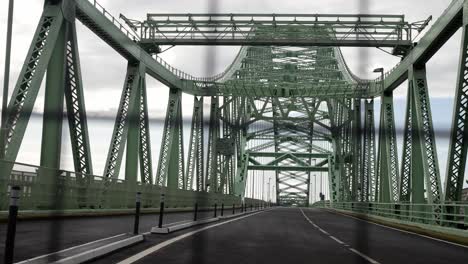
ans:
(195, 212)
(137, 214)
(251, 207)
(161, 211)
(215, 208)
(233, 209)
(222, 209)
(11, 228)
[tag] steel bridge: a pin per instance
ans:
(288, 105)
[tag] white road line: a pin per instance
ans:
(166, 243)
(364, 256)
(339, 241)
(404, 231)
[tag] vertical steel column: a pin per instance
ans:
(424, 163)
(212, 160)
(76, 110)
(334, 162)
(406, 161)
(388, 160)
(171, 157)
(458, 145)
(369, 161)
(146, 160)
(27, 87)
(120, 133)
(133, 135)
(242, 154)
(357, 188)
(53, 104)
(196, 148)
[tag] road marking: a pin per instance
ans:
(403, 231)
(362, 255)
(166, 243)
(339, 241)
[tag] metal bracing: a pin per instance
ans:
(388, 178)
(76, 111)
(406, 160)
(212, 157)
(53, 104)
(368, 176)
(120, 133)
(458, 145)
(30, 79)
(424, 176)
(357, 187)
(275, 29)
(195, 171)
(171, 158)
(146, 163)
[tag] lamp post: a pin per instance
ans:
(381, 71)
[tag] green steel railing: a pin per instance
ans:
(449, 215)
(51, 189)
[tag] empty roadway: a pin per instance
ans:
(292, 235)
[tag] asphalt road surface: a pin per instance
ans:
(290, 235)
(39, 237)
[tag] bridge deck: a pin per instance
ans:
(40, 237)
(286, 236)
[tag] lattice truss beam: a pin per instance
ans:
(275, 29)
(53, 50)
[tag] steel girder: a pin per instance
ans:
(213, 177)
(274, 29)
(146, 163)
(195, 159)
(357, 181)
(458, 145)
(420, 181)
(131, 130)
(76, 110)
(171, 158)
(388, 177)
(53, 49)
(368, 156)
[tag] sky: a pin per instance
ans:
(103, 69)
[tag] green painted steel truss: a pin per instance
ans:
(288, 104)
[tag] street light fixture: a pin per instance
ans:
(381, 71)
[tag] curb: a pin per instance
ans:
(173, 228)
(86, 255)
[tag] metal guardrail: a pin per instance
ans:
(451, 215)
(130, 34)
(46, 189)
